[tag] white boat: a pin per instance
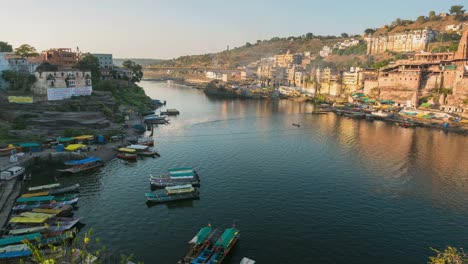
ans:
(247, 261)
(381, 114)
(12, 173)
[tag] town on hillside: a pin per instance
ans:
(418, 66)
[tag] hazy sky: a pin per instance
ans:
(172, 28)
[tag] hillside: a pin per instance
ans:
(438, 24)
(253, 52)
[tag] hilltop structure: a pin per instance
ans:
(417, 40)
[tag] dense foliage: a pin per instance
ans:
(26, 51)
(18, 81)
(5, 47)
(90, 63)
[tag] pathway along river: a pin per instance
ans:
(335, 190)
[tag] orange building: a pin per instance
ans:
(62, 57)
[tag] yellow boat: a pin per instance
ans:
(47, 211)
(27, 220)
(127, 150)
(35, 194)
(84, 137)
(74, 147)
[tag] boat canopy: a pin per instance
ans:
(65, 139)
(35, 199)
(84, 137)
(180, 189)
(20, 231)
(27, 220)
(13, 248)
(138, 147)
(182, 173)
(127, 150)
(18, 239)
(73, 147)
(29, 145)
(201, 236)
(34, 194)
(82, 162)
(36, 215)
(227, 237)
(47, 211)
(42, 187)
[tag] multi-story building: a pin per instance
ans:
(59, 85)
(105, 60)
(63, 57)
(417, 40)
(325, 52)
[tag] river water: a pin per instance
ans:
(334, 190)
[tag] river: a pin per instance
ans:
(334, 190)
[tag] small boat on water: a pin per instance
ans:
(176, 176)
(406, 124)
(12, 173)
(296, 125)
(44, 187)
(46, 199)
(143, 150)
(50, 205)
(127, 154)
(381, 114)
(173, 193)
(83, 165)
(220, 249)
(247, 261)
(69, 189)
(170, 112)
(204, 239)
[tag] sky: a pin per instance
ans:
(168, 29)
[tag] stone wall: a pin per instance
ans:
(417, 40)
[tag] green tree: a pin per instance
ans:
(458, 12)
(90, 63)
(344, 35)
(421, 19)
(369, 31)
(26, 51)
(309, 35)
(136, 69)
(248, 44)
(5, 47)
(18, 81)
(432, 16)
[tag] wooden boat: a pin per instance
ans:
(205, 239)
(37, 199)
(14, 252)
(224, 245)
(83, 165)
(170, 112)
(247, 261)
(12, 173)
(381, 114)
(174, 193)
(19, 239)
(51, 205)
(59, 239)
(355, 114)
(406, 124)
(127, 156)
(44, 187)
(321, 112)
(296, 125)
(176, 176)
(69, 189)
(29, 230)
(143, 150)
(34, 194)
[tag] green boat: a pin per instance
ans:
(224, 245)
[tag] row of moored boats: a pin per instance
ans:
(44, 217)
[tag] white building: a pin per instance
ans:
(105, 60)
(61, 85)
(325, 52)
(4, 65)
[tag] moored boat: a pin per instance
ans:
(176, 176)
(222, 247)
(12, 173)
(69, 189)
(203, 240)
(127, 154)
(77, 166)
(170, 112)
(173, 193)
(44, 187)
(143, 150)
(38, 204)
(381, 114)
(247, 261)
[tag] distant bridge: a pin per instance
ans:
(157, 67)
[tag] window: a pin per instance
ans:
(71, 83)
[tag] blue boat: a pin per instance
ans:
(15, 254)
(18, 239)
(82, 161)
(35, 199)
